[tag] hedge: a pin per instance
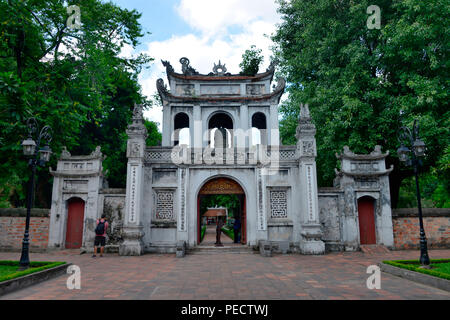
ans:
(413, 265)
(35, 267)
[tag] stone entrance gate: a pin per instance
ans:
(231, 122)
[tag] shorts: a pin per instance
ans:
(99, 241)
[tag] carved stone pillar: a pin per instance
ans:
(311, 232)
(132, 226)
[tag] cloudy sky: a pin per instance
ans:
(205, 31)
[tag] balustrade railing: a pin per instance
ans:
(228, 156)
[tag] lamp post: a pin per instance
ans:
(38, 156)
(416, 150)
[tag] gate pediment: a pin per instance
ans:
(221, 186)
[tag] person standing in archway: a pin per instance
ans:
(219, 232)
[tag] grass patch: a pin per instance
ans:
(442, 267)
(6, 270)
(439, 268)
(9, 269)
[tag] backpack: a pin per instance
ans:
(100, 229)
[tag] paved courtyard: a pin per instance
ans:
(227, 276)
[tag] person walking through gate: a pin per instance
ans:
(237, 229)
(219, 232)
(100, 235)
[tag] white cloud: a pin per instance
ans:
(127, 51)
(214, 16)
(256, 19)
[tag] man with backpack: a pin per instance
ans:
(100, 235)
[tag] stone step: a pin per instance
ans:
(374, 249)
(221, 250)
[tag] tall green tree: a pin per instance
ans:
(75, 80)
(363, 84)
(251, 60)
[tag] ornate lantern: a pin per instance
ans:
(403, 153)
(29, 146)
(45, 153)
(419, 147)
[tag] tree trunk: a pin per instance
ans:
(20, 43)
(395, 179)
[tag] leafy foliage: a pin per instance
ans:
(76, 81)
(251, 60)
(362, 85)
(432, 190)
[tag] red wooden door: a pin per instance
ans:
(366, 212)
(199, 223)
(244, 224)
(75, 219)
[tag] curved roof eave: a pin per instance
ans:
(234, 77)
(169, 97)
(195, 76)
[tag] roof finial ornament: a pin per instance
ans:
(219, 69)
(138, 112)
(169, 68)
(304, 111)
(97, 153)
(272, 65)
(186, 68)
(65, 154)
(305, 126)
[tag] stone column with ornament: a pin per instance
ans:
(310, 229)
(132, 232)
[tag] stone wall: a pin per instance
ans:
(329, 204)
(112, 203)
(406, 228)
(12, 227)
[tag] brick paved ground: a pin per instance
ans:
(210, 238)
(228, 277)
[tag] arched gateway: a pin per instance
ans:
(277, 184)
(166, 184)
(224, 186)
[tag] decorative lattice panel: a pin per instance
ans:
(281, 155)
(158, 155)
(164, 205)
(287, 155)
(278, 204)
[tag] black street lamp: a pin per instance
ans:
(417, 151)
(32, 150)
